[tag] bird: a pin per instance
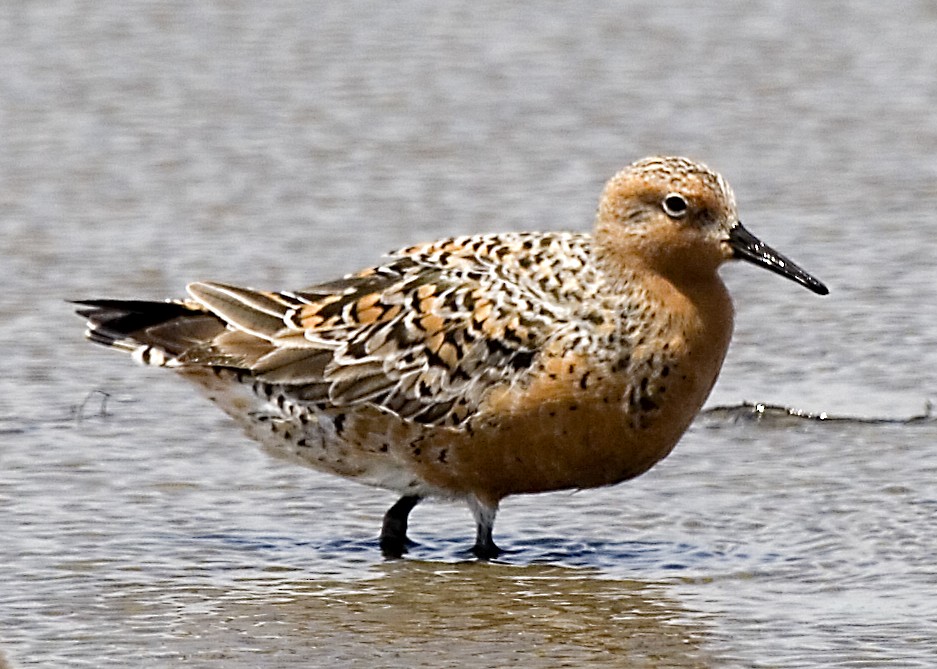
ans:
(476, 367)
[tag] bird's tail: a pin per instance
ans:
(154, 333)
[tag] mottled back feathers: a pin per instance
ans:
(425, 335)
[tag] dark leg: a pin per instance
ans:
(394, 529)
(484, 548)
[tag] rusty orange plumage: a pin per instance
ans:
(482, 366)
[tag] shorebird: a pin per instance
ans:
(483, 366)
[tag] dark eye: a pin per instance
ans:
(675, 205)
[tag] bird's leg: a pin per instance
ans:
(394, 528)
(484, 548)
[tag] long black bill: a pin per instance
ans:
(747, 246)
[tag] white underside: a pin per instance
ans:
(277, 428)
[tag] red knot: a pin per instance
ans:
(483, 366)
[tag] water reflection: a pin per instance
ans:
(419, 614)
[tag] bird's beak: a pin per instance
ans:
(747, 246)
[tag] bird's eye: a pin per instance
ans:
(675, 205)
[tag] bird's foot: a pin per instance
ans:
(486, 550)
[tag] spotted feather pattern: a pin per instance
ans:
(424, 335)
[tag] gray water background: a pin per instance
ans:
(144, 145)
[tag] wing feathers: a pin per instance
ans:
(425, 335)
(292, 366)
(260, 314)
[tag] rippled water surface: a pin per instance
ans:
(143, 145)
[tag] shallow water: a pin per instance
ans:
(145, 146)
